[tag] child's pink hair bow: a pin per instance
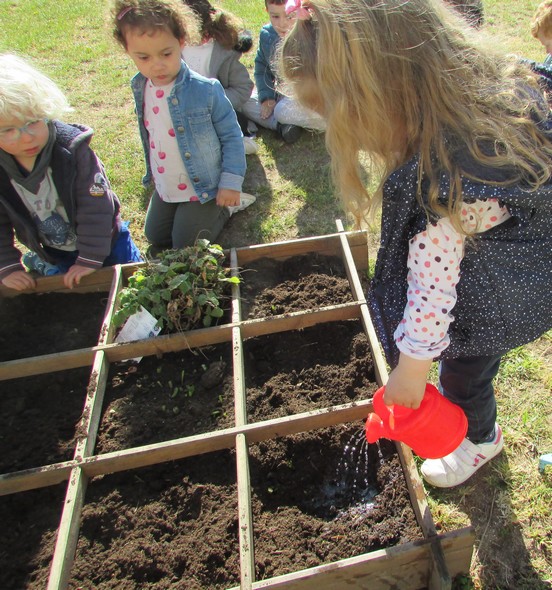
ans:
(302, 13)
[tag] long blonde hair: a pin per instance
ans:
(397, 78)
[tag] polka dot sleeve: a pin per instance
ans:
(433, 272)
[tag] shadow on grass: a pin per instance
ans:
(305, 166)
(501, 559)
(245, 227)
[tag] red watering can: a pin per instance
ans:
(432, 431)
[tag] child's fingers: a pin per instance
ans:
(74, 275)
(20, 281)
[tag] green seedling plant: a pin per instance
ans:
(185, 289)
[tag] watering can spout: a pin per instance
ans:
(374, 428)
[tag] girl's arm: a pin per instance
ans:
(433, 272)
(236, 81)
(10, 256)
(264, 76)
(226, 126)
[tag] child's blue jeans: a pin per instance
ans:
(123, 251)
(468, 382)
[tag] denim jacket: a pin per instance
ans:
(208, 135)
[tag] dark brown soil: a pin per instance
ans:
(271, 287)
(39, 416)
(34, 325)
(317, 496)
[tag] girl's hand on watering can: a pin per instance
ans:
(406, 384)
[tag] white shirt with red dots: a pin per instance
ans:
(434, 257)
(170, 176)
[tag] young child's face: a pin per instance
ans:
(24, 141)
(281, 22)
(546, 41)
(156, 55)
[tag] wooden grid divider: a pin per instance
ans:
(430, 562)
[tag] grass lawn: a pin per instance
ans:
(510, 506)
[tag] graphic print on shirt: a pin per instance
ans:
(49, 214)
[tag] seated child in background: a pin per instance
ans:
(223, 41)
(54, 194)
(192, 142)
(268, 107)
(541, 28)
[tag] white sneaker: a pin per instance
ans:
(250, 146)
(245, 200)
(462, 463)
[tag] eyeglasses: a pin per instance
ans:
(12, 134)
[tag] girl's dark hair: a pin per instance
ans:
(222, 26)
(149, 15)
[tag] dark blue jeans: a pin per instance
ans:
(468, 382)
(124, 250)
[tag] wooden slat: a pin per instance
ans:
(37, 477)
(327, 245)
(68, 532)
(299, 320)
(245, 515)
(99, 280)
(107, 331)
(403, 567)
(240, 399)
(458, 549)
(379, 362)
(47, 363)
(72, 359)
(91, 415)
(224, 439)
(115, 352)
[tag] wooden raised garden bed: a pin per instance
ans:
(152, 475)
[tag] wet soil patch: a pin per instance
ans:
(326, 495)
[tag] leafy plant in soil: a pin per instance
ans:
(183, 290)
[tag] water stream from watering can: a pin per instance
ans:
(352, 490)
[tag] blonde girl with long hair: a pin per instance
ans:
(457, 139)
